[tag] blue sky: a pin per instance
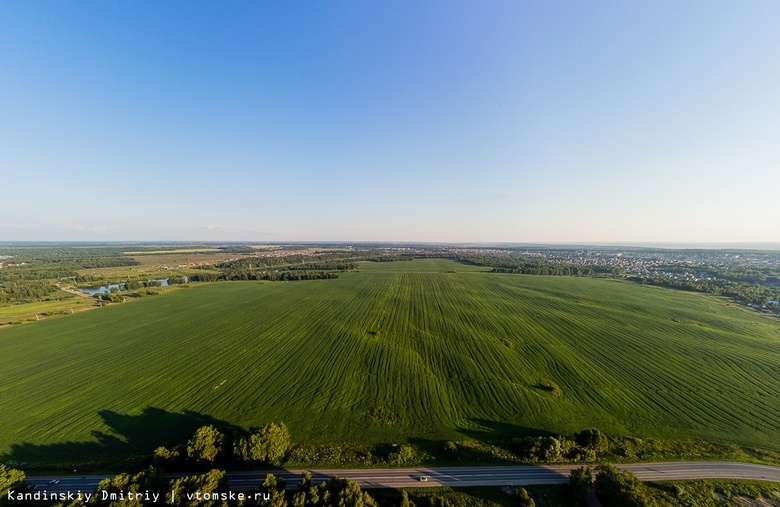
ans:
(517, 121)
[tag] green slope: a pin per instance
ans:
(446, 353)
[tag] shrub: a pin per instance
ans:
(550, 386)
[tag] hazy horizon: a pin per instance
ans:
(451, 122)
(515, 245)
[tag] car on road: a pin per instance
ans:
(54, 481)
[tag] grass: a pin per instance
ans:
(39, 310)
(421, 266)
(489, 496)
(716, 492)
(698, 493)
(443, 356)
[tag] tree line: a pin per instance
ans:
(614, 488)
(264, 445)
(25, 291)
(151, 487)
(740, 291)
(533, 265)
(34, 276)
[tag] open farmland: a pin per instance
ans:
(439, 355)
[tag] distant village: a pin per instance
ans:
(693, 267)
(9, 264)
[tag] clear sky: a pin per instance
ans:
(518, 121)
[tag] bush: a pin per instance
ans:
(550, 386)
(382, 415)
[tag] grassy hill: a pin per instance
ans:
(395, 351)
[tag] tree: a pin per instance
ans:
(405, 502)
(269, 443)
(10, 479)
(272, 483)
(305, 481)
(274, 486)
(163, 455)
(152, 480)
(299, 499)
(451, 449)
(205, 444)
(538, 449)
(580, 481)
(549, 449)
(520, 498)
(192, 491)
(352, 496)
(277, 442)
(403, 456)
(621, 489)
(591, 438)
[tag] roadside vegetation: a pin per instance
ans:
(611, 487)
(211, 450)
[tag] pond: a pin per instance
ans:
(107, 288)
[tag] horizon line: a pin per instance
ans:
(704, 245)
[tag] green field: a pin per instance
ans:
(40, 310)
(421, 266)
(444, 355)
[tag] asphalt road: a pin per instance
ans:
(456, 476)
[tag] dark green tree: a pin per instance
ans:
(205, 444)
(591, 438)
(274, 486)
(403, 456)
(621, 489)
(580, 481)
(190, 491)
(520, 498)
(152, 480)
(11, 479)
(450, 450)
(405, 502)
(351, 495)
(266, 444)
